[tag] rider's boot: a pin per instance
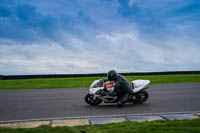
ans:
(122, 100)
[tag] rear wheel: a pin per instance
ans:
(89, 99)
(141, 97)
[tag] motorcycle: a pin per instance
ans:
(99, 92)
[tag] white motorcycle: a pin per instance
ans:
(99, 92)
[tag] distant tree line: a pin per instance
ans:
(7, 77)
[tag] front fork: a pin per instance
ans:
(94, 96)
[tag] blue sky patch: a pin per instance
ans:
(96, 36)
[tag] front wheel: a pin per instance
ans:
(141, 97)
(89, 99)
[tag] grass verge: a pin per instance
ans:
(86, 81)
(178, 126)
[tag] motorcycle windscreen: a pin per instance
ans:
(97, 83)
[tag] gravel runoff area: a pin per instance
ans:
(100, 120)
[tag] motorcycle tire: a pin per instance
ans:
(89, 100)
(141, 97)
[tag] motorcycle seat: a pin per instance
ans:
(132, 87)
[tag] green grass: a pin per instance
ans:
(86, 81)
(182, 126)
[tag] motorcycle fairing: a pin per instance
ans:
(140, 84)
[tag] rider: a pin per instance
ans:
(122, 86)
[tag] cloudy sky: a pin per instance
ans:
(94, 36)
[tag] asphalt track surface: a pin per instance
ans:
(69, 102)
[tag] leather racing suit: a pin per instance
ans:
(122, 89)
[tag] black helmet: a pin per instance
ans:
(112, 75)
